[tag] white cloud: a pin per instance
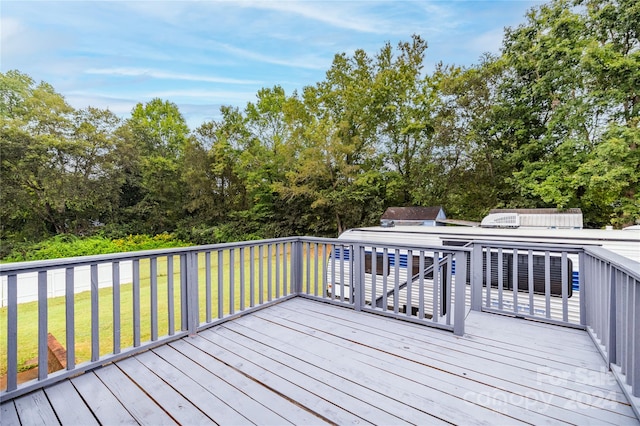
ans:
(192, 95)
(489, 41)
(19, 40)
(10, 29)
(143, 72)
(119, 106)
(306, 61)
(338, 14)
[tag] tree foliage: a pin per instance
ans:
(553, 121)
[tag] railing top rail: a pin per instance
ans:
(629, 266)
(570, 248)
(29, 266)
(401, 246)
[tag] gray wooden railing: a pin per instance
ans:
(542, 274)
(171, 293)
(612, 315)
(176, 292)
(377, 278)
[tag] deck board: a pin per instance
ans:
(9, 415)
(305, 362)
(447, 349)
(261, 394)
(320, 366)
(176, 405)
(99, 399)
(254, 411)
(208, 402)
(325, 386)
(452, 377)
(68, 405)
(34, 408)
(284, 383)
(134, 400)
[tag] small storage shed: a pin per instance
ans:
(533, 218)
(408, 216)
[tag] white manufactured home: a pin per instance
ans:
(543, 264)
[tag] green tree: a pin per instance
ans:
(59, 169)
(566, 66)
(160, 135)
(403, 103)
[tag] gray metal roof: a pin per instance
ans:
(537, 211)
(412, 213)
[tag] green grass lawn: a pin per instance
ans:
(28, 312)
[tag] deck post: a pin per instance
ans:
(358, 276)
(634, 347)
(476, 277)
(192, 292)
(459, 303)
(296, 267)
(12, 332)
(582, 261)
(611, 344)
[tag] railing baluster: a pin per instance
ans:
(447, 293)
(437, 277)
(634, 353)
(374, 276)
(421, 285)
(409, 304)
(269, 271)
(136, 303)
(307, 266)
(220, 294)
(516, 285)
(153, 283)
(530, 281)
(286, 253)
(488, 278)
(95, 314)
(261, 275)
(500, 278)
(252, 276)
(315, 269)
(115, 289)
(43, 350)
(396, 282)
(547, 283)
(208, 304)
(232, 281)
(324, 270)
(242, 278)
(70, 317)
(170, 297)
(184, 318)
(278, 284)
(333, 272)
(565, 291)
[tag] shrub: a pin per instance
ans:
(70, 246)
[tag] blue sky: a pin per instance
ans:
(204, 54)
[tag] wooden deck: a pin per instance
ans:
(305, 362)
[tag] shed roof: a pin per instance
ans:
(412, 213)
(537, 211)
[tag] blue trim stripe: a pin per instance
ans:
(338, 252)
